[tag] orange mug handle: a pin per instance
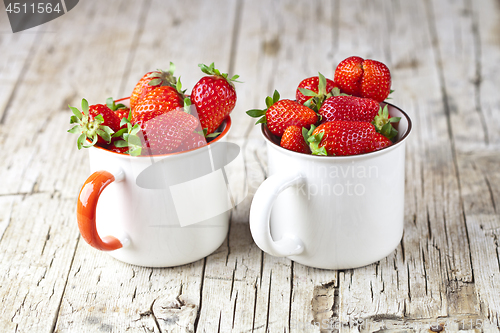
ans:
(86, 211)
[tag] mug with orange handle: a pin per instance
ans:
(157, 211)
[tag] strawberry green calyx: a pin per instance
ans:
(211, 70)
(210, 136)
(317, 98)
(314, 140)
(336, 92)
(88, 128)
(383, 123)
(130, 137)
(187, 105)
(182, 93)
(110, 103)
(261, 114)
(162, 77)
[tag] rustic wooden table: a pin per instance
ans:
(444, 57)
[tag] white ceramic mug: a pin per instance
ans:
(333, 212)
(158, 211)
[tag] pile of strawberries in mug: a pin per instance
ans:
(346, 111)
(161, 119)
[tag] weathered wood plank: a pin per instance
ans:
(36, 252)
(478, 174)
(486, 16)
(16, 50)
(446, 268)
(6, 206)
(465, 65)
(104, 294)
(86, 68)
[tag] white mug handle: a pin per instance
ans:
(260, 213)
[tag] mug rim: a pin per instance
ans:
(227, 122)
(268, 136)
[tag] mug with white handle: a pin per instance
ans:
(332, 212)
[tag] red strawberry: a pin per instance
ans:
(214, 97)
(164, 133)
(363, 78)
(293, 139)
(345, 138)
(150, 81)
(96, 123)
(281, 114)
(379, 141)
(122, 113)
(120, 109)
(349, 108)
(194, 140)
(157, 102)
(312, 91)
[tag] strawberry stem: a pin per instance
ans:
(258, 113)
(91, 130)
(211, 70)
(383, 123)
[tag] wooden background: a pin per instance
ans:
(444, 56)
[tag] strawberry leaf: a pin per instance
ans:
(120, 143)
(336, 92)
(155, 82)
(187, 105)
(206, 69)
(135, 129)
(76, 112)
(314, 141)
(178, 85)
(307, 92)
(119, 133)
(213, 135)
(135, 151)
(110, 103)
(269, 101)
(309, 103)
(211, 70)
(155, 74)
(383, 124)
(73, 120)
(80, 141)
(262, 120)
(321, 85)
(76, 129)
(104, 135)
(235, 79)
(94, 141)
(305, 133)
(99, 119)
(124, 121)
(276, 96)
(134, 140)
(85, 107)
(255, 113)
